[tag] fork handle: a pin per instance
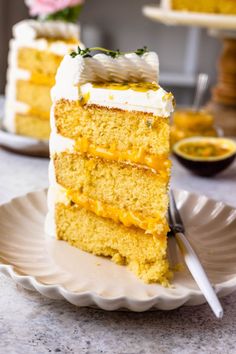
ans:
(199, 274)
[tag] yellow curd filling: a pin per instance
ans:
(158, 226)
(160, 163)
(71, 40)
(205, 149)
(135, 86)
(41, 79)
(38, 113)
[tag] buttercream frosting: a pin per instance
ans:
(102, 68)
(83, 72)
(59, 143)
(13, 74)
(157, 101)
(32, 29)
(56, 194)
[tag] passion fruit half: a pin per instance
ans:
(205, 156)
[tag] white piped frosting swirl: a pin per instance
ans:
(32, 29)
(102, 68)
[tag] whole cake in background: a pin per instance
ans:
(35, 53)
(227, 7)
(110, 168)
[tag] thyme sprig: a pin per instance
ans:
(87, 52)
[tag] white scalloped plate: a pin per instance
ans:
(19, 143)
(59, 271)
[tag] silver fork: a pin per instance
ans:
(191, 259)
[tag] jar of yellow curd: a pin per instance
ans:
(187, 123)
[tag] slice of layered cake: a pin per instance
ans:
(36, 51)
(110, 168)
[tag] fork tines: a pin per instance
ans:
(175, 220)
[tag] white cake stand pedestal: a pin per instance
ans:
(223, 100)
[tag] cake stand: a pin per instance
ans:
(223, 100)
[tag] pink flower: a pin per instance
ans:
(45, 7)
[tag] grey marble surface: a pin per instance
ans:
(30, 323)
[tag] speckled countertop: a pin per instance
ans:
(30, 323)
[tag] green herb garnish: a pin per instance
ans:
(141, 51)
(86, 53)
(69, 14)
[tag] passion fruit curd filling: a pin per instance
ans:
(41, 79)
(159, 163)
(204, 149)
(50, 40)
(44, 115)
(135, 86)
(157, 226)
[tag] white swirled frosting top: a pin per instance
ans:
(101, 68)
(84, 72)
(32, 29)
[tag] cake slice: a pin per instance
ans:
(35, 54)
(110, 168)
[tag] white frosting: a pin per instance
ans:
(28, 30)
(26, 34)
(59, 143)
(101, 68)
(33, 34)
(56, 194)
(128, 68)
(152, 101)
(13, 74)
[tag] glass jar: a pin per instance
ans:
(187, 123)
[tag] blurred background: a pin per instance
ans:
(121, 24)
